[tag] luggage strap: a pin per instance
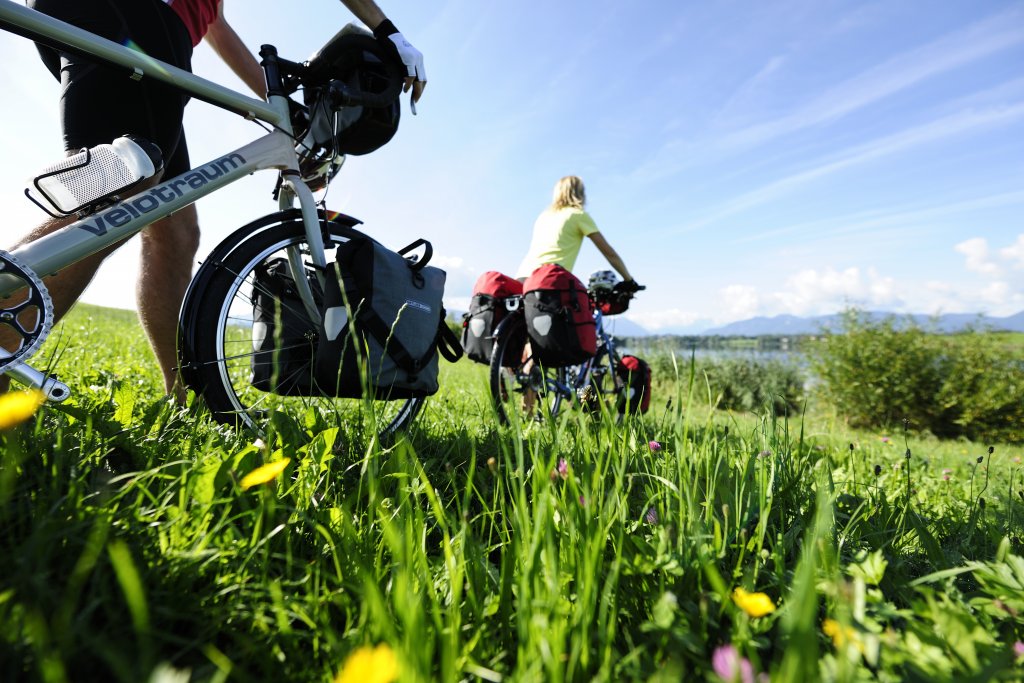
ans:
(445, 342)
(448, 345)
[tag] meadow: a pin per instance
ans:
(693, 543)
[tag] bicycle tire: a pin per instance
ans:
(603, 390)
(215, 338)
(511, 374)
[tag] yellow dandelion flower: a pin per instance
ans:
(265, 473)
(754, 604)
(18, 406)
(841, 635)
(834, 630)
(369, 665)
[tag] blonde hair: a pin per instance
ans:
(569, 192)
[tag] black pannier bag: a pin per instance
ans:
(559, 319)
(383, 323)
(284, 338)
(486, 310)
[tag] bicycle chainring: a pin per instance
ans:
(26, 314)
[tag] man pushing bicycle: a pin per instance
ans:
(99, 103)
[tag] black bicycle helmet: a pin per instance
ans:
(352, 88)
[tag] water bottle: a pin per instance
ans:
(91, 175)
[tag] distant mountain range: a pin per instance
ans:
(796, 325)
(791, 324)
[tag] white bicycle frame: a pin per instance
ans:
(274, 151)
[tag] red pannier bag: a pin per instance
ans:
(559, 320)
(486, 310)
(613, 303)
(636, 385)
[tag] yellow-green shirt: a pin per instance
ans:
(557, 238)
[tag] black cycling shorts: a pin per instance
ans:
(100, 102)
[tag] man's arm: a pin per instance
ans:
(366, 11)
(229, 47)
(370, 14)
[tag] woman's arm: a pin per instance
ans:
(613, 257)
(229, 47)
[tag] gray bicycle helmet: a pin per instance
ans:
(602, 280)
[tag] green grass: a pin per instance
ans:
(129, 551)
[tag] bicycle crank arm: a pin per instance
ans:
(54, 389)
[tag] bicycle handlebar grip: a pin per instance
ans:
(271, 71)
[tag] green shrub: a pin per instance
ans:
(880, 373)
(743, 384)
(983, 393)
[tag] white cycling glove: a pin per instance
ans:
(395, 42)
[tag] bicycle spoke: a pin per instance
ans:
(228, 362)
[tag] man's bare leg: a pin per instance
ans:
(64, 287)
(169, 248)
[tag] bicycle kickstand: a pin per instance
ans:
(54, 389)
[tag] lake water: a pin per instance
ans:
(755, 354)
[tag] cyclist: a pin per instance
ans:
(557, 238)
(98, 103)
(559, 231)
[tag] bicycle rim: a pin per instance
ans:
(217, 348)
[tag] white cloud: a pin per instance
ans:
(453, 265)
(995, 292)
(976, 252)
(1014, 253)
(457, 303)
(446, 262)
(740, 301)
(881, 288)
(812, 292)
(828, 290)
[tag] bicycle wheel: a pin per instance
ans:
(599, 390)
(216, 334)
(514, 376)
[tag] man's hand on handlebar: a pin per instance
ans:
(395, 43)
(628, 287)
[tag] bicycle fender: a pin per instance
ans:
(188, 324)
(509, 325)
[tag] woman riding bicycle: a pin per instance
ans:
(557, 238)
(559, 231)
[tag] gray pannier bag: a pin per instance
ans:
(383, 323)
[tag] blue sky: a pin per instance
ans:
(744, 158)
